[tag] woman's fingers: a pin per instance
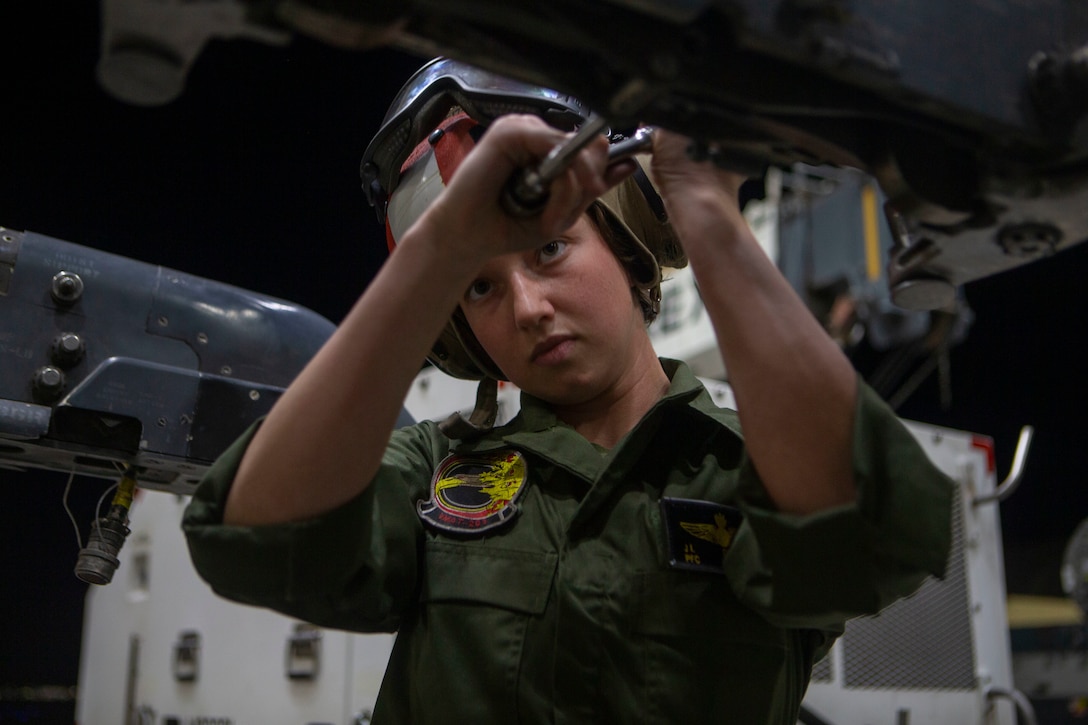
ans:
(472, 201)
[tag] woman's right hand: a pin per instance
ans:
(469, 211)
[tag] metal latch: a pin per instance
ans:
(303, 658)
(186, 663)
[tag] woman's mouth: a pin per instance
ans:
(552, 351)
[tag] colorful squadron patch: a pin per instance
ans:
(699, 533)
(476, 492)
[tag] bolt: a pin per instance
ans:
(68, 349)
(67, 287)
(48, 383)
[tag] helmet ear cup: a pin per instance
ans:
(638, 205)
(457, 353)
(470, 349)
(636, 211)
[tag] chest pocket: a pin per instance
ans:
(477, 607)
(487, 575)
(706, 655)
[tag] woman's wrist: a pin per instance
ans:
(439, 238)
(705, 215)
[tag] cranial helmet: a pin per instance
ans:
(434, 121)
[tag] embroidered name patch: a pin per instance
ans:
(477, 492)
(698, 533)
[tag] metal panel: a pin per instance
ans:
(920, 642)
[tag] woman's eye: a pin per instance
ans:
(552, 249)
(478, 289)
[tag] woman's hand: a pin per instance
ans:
(469, 211)
(701, 198)
(675, 171)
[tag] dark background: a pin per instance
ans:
(251, 177)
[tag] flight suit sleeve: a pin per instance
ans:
(821, 569)
(355, 567)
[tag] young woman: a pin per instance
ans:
(618, 552)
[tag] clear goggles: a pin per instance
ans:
(426, 99)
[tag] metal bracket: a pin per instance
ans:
(1012, 481)
(303, 656)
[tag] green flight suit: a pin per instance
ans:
(578, 608)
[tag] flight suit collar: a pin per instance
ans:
(537, 430)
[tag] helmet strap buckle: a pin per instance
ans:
(482, 418)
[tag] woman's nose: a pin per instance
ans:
(531, 304)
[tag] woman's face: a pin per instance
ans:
(560, 321)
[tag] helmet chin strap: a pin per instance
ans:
(482, 418)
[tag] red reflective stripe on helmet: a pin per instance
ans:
(425, 145)
(390, 242)
(426, 172)
(454, 145)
